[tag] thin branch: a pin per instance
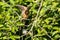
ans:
(17, 15)
(37, 13)
(36, 17)
(3, 1)
(40, 6)
(27, 37)
(40, 16)
(46, 33)
(37, 36)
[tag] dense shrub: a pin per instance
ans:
(43, 23)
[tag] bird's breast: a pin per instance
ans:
(24, 15)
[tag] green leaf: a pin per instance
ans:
(55, 32)
(1, 25)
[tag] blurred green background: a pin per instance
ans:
(43, 23)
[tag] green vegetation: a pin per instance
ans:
(43, 23)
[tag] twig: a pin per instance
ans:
(37, 13)
(27, 37)
(39, 8)
(40, 16)
(3, 1)
(6, 3)
(37, 35)
(36, 18)
(17, 15)
(46, 32)
(22, 36)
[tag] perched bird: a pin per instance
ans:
(25, 15)
(24, 10)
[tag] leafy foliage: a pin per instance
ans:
(42, 25)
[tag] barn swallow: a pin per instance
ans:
(24, 10)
